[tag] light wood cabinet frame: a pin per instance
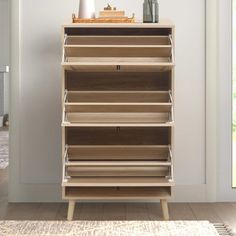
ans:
(118, 112)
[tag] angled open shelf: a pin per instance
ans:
(133, 160)
(123, 153)
(119, 108)
(120, 53)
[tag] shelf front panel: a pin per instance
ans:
(112, 193)
(117, 40)
(114, 125)
(118, 182)
(117, 53)
(112, 163)
(153, 154)
(117, 119)
(118, 67)
(72, 109)
(118, 97)
(125, 61)
(114, 171)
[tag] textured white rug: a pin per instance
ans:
(4, 156)
(109, 228)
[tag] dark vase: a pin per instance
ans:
(150, 11)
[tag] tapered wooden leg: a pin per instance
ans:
(71, 209)
(165, 211)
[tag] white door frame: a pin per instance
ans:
(211, 98)
(14, 113)
(219, 101)
(224, 90)
(212, 101)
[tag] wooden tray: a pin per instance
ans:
(104, 20)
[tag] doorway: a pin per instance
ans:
(4, 95)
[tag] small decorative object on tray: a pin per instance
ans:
(108, 15)
(150, 11)
(86, 9)
(111, 12)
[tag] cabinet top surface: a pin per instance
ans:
(164, 23)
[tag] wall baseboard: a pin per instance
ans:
(189, 193)
(36, 193)
(52, 193)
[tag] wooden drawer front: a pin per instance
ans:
(115, 82)
(125, 137)
(118, 181)
(121, 65)
(116, 193)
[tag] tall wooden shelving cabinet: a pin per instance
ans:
(118, 107)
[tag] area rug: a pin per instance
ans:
(4, 156)
(111, 228)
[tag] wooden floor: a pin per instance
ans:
(214, 212)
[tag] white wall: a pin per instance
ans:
(36, 170)
(4, 32)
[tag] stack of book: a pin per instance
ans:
(112, 14)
